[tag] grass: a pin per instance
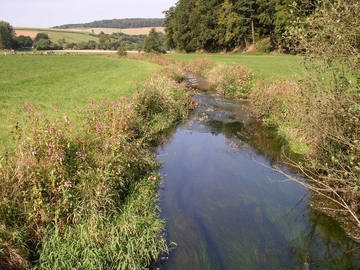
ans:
(56, 34)
(63, 82)
(269, 67)
(81, 193)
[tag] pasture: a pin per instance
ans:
(58, 83)
(269, 67)
(56, 34)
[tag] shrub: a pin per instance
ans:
(231, 80)
(121, 51)
(199, 67)
(263, 45)
(285, 105)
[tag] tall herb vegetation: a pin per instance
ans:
(78, 193)
(323, 110)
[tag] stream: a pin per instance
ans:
(226, 209)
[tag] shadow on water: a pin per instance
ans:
(227, 211)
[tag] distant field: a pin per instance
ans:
(55, 34)
(268, 66)
(63, 82)
(128, 31)
(80, 34)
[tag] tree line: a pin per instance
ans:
(118, 23)
(217, 25)
(149, 43)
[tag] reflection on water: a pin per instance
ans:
(227, 211)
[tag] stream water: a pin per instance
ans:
(225, 210)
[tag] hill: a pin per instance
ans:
(118, 23)
(56, 34)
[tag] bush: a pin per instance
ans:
(263, 45)
(232, 81)
(121, 51)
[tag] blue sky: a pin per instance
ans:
(48, 13)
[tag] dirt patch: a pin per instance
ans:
(128, 31)
(31, 34)
(141, 31)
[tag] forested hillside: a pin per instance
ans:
(216, 25)
(117, 23)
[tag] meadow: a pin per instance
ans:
(269, 67)
(55, 34)
(78, 190)
(58, 83)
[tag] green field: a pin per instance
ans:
(56, 34)
(267, 66)
(64, 81)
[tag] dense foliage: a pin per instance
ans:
(42, 41)
(117, 23)
(7, 35)
(152, 42)
(320, 115)
(215, 25)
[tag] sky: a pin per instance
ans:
(49, 13)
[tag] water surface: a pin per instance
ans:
(225, 209)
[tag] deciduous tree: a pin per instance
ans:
(41, 36)
(7, 35)
(152, 42)
(24, 41)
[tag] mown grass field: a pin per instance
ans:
(270, 67)
(62, 82)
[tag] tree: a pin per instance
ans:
(170, 28)
(232, 31)
(24, 41)
(214, 25)
(152, 42)
(7, 35)
(329, 37)
(41, 36)
(121, 51)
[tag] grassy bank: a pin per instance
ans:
(78, 189)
